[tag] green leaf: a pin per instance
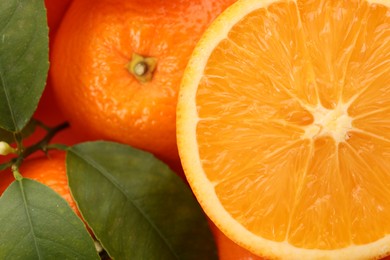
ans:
(36, 223)
(136, 206)
(23, 60)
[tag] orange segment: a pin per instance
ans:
(283, 127)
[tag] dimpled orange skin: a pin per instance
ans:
(49, 170)
(95, 90)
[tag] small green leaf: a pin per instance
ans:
(136, 206)
(23, 60)
(36, 223)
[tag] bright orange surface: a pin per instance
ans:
(286, 130)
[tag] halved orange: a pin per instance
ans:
(283, 127)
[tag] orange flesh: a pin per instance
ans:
(258, 98)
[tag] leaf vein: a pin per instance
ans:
(29, 218)
(109, 177)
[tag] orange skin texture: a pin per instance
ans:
(49, 170)
(99, 96)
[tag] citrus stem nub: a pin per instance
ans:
(142, 68)
(16, 173)
(6, 149)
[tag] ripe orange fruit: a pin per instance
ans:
(49, 170)
(117, 65)
(284, 127)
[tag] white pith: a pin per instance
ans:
(330, 122)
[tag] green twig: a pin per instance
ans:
(40, 145)
(16, 173)
(42, 125)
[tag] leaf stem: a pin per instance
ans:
(43, 145)
(43, 126)
(40, 145)
(16, 173)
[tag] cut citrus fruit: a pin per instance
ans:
(283, 127)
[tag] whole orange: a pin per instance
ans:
(117, 66)
(49, 170)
